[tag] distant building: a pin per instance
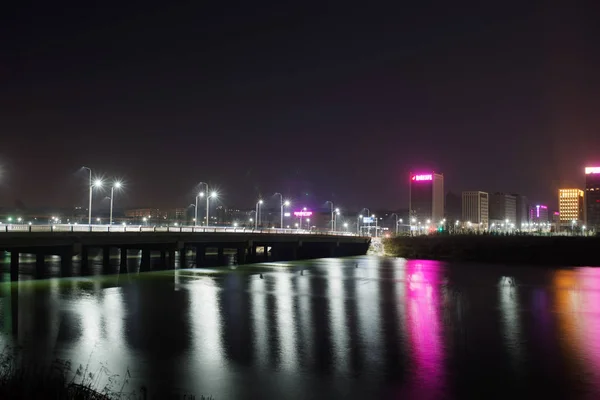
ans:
(538, 214)
(570, 207)
(453, 208)
(141, 213)
(475, 209)
(503, 209)
(592, 198)
(522, 211)
(426, 198)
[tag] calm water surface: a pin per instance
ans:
(366, 327)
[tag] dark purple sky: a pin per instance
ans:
(336, 101)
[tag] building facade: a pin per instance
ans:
(570, 207)
(503, 210)
(522, 211)
(426, 198)
(592, 198)
(475, 209)
(538, 214)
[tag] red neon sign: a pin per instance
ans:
(302, 213)
(419, 178)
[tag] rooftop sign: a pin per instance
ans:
(419, 178)
(303, 213)
(592, 170)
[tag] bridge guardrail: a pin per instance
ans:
(6, 228)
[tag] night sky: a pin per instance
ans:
(339, 101)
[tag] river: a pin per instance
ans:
(364, 327)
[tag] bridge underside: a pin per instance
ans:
(191, 250)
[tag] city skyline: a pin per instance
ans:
(339, 103)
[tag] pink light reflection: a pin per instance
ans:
(425, 338)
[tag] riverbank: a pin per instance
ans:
(546, 250)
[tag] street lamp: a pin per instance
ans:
(91, 188)
(396, 215)
(258, 206)
(332, 217)
(115, 185)
(337, 213)
(213, 195)
(282, 203)
(201, 194)
(308, 224)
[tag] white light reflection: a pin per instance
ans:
(509, 306)
(259, 320)
(337, 314)
(305, 326)
(113, 316)
(205, 317)
(400, 289)
(369, 313)
(285, 321)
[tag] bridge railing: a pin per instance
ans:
(5, 228)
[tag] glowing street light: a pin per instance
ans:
(213, 195)
(258, 206)
(116, 185)
(282, 203)
(332, 216)
(201, 194)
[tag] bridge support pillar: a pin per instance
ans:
(145, 262)
(84, 260)
(183, 257)
(220, 256)
(14, 265)
(200, 255)
(39, 264)
(123, 262)
(252, 253)
(105, 258)
(163, 259)
(66, 262)
(241, 255)
(171, 258)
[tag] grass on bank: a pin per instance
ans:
(59, 382)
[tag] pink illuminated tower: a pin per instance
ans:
(426, 198)
(592, 198)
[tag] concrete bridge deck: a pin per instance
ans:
(70, 240)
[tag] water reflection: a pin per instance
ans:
(422, 311)
(337, 328)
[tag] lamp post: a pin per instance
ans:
(396, 215)
(91, 188)
(375, 224)
(116, 185)
(282, 203)
(337, 213)
(332, 217)
(214, 196)
(258, 204)
(201, 194)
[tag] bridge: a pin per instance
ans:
(68, 241)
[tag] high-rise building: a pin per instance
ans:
(570, 207)
(503, 209)
(453, 207)
(592, 198)
(538, 214)
(475, 209)
(522, 208)
(426, 198)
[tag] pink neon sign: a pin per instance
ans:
(302, 213)
(418, 178)
(592, 170)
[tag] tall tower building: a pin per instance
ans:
(426, 197)
(503, 209)
(475, 209)
(570, 207)
(592, 198)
